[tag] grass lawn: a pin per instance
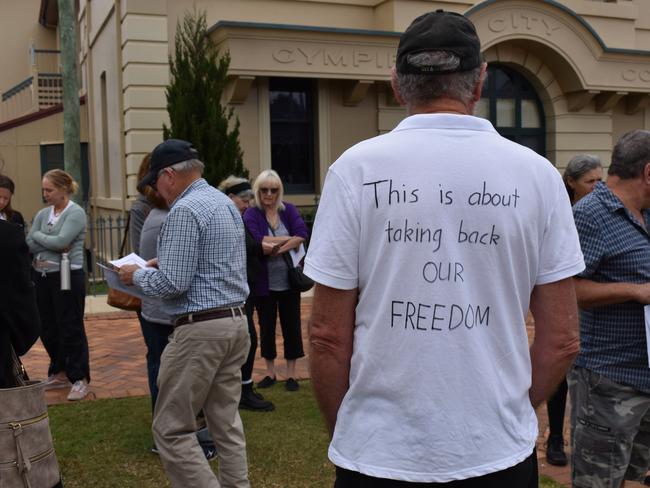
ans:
(105, 443)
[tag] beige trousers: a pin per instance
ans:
(201, 369)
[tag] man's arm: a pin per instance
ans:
(593, 294)
(556, 342)
(331, 334)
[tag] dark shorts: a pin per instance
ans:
(610, 431)
(522, 475)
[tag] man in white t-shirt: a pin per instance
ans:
(430, 246)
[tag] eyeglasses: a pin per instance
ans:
(270, 190)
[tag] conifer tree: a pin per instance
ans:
(196, 113)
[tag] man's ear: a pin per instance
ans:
(646, 173)
(393, 84)
(479, 86)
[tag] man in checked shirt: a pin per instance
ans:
(610, 381)
(201, 277)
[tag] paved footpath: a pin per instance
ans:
(117, 365)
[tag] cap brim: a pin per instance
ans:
(146, 181)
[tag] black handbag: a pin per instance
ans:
(298, 281)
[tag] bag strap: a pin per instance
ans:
(126, 233)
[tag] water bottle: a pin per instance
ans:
(65, 271)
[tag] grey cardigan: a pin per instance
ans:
(69, 232)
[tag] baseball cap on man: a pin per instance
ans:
(166, 154)
(439, 31)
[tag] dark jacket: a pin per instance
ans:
(17, 218)
(255, 221)
(19, 320)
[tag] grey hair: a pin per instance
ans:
(631, 154)
(188, 165)
(580, 165)
(419, 89)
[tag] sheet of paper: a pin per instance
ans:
(132, 258)
(113, 281)
(646, 311)
(297, 255)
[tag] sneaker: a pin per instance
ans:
(267, 382)
(79, 390)
(250, 401)
(209, 452)
(555, 451)
(207, 444)
(56, 381)
(292, 385)
(154, 449)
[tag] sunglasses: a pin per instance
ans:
(269, 190)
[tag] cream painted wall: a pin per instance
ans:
(18, 27)
(104, 59)
(249, 131)
(622, 122)
(349, 125)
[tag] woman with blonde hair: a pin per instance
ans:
(57, 229)
(273, 221)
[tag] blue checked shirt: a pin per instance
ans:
(616, 250)
(201, 254)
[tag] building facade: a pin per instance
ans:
(309, 78)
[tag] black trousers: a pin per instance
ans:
(247, 367)
(62, 323)
(522, 475)
(287, 304)
(556, 406)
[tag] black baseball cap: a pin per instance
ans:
(166, 154)
(439, 31)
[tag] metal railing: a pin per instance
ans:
(104, 237)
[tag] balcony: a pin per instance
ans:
(42, 90)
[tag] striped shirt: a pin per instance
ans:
(616, 250)
(201, 254)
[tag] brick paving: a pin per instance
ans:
(117, 365)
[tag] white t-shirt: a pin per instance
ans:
(444, 227)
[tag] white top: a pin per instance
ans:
(445, 227)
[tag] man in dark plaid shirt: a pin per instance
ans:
(610, 381)
(201, 278)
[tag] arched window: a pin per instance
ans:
(510, 102)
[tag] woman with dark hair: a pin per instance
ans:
(140, 208)
(59, 229)
(580, 177)
(7, 189)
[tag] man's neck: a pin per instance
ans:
(630, 192)
(441, 106)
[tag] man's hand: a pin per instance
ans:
(126, 273)
(152, 263)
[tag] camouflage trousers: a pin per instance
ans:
(610, 431)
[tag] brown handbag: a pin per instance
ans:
(117, 298)
(27, 458)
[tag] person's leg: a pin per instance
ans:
(639, 464)
(266, 313)
(556, 406)
(250, 400)
(75, 342)
(606, 419)
(187, 368)
(156, 338)
(222, 401)
(289, 308)
(49, 328)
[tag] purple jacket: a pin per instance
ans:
(255, 221)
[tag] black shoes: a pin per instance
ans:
(251, 400)
(267, 382)
(555, 451)
(292, 385)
